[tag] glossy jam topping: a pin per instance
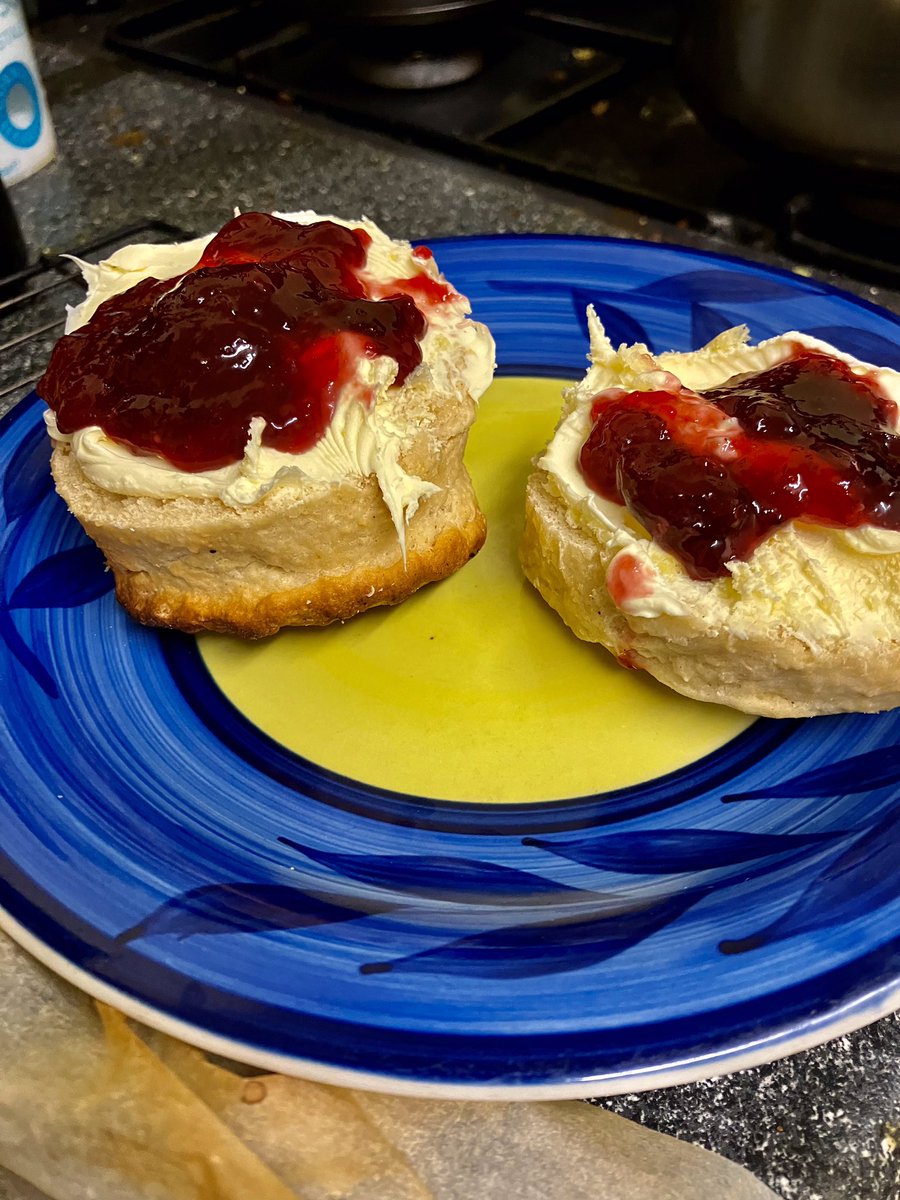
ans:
(425, 290)
(271, 323)
(709, 475)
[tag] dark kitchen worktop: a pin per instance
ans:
(138, 144)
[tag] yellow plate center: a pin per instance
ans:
(473, 689)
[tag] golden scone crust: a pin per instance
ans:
(770, 667)
(305, 554)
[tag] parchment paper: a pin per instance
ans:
(95, 1107)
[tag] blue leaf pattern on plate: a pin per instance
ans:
(722, 286)
(67, 579)
(860, 773)
(64, 580)
(545, 947)
(862, 879)
(457, 880)
(670, 851)
(27, 478)
(23, 653)
(707, 323)
(870, 347)
(620, 326)
(246, 908)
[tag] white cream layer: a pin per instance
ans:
(796, 566)
(368, 432)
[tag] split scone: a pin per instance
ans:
(729, 521)
(266, 426)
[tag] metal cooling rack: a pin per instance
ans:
(33, 305)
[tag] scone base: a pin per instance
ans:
(329, 599)
(303, 555)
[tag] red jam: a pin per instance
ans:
(424, 289)
(810, 445)
(270, 323)
(628, 579)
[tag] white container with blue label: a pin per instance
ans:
(27, 141)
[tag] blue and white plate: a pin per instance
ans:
(447, 849)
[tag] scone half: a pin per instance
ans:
(380, 505)
(808, 624)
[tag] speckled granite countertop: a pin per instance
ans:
(139, 144)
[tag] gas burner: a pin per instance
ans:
(411, 58)
(407, 45)
(419, 70)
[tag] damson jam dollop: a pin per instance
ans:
(271, 322)
(709, 474)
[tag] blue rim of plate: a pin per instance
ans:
(166, 856)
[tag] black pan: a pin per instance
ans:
(813, 85)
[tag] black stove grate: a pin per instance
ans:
(33, 301)
(578, 93)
